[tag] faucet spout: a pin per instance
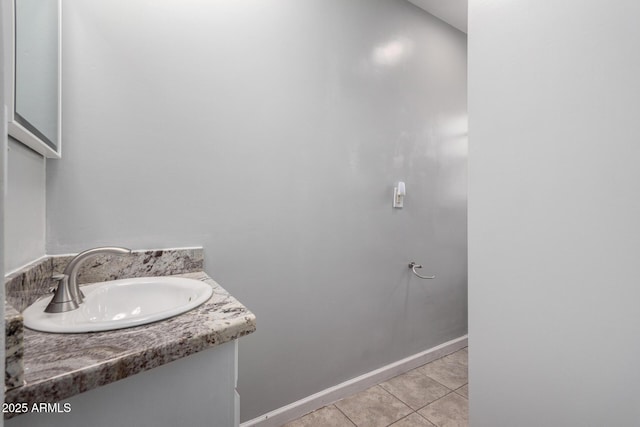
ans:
(74, 266)
(68, 295)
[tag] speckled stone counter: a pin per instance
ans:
(13, 369)
(58, 366)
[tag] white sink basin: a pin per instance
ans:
(121, 304)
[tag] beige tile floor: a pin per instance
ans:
(435, 394)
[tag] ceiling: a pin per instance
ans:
(453, 12)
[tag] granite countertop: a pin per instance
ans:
(58, 366)
(14, 335)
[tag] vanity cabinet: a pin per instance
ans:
(180, 371)
(195, 391)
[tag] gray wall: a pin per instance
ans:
(553, 213)
(272, 133)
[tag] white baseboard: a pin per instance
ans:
(283, 415)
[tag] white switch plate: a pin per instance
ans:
(398, 201)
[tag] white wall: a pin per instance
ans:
(25, 207)
(3, 183)
(272, 133)
(24, 210)
(553, 213)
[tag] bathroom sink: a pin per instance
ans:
(121, 304)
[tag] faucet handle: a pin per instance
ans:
(62, 300)
(57, 278)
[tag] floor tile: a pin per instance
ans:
(413, 420)
(373, 407)
(415, 389)
(461, 356)
(451, 370)
(449, 411)
(329, 416)
(463, 391)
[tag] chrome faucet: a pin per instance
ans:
(68, 295)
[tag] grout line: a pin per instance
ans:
(441, 397)
(453, 392)
(448, 388)
(461, 395)
(431, 404)
(394, 396)
(427, 419)
(428, 376)
(400, 419)
(391, 393)
(350, 420)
